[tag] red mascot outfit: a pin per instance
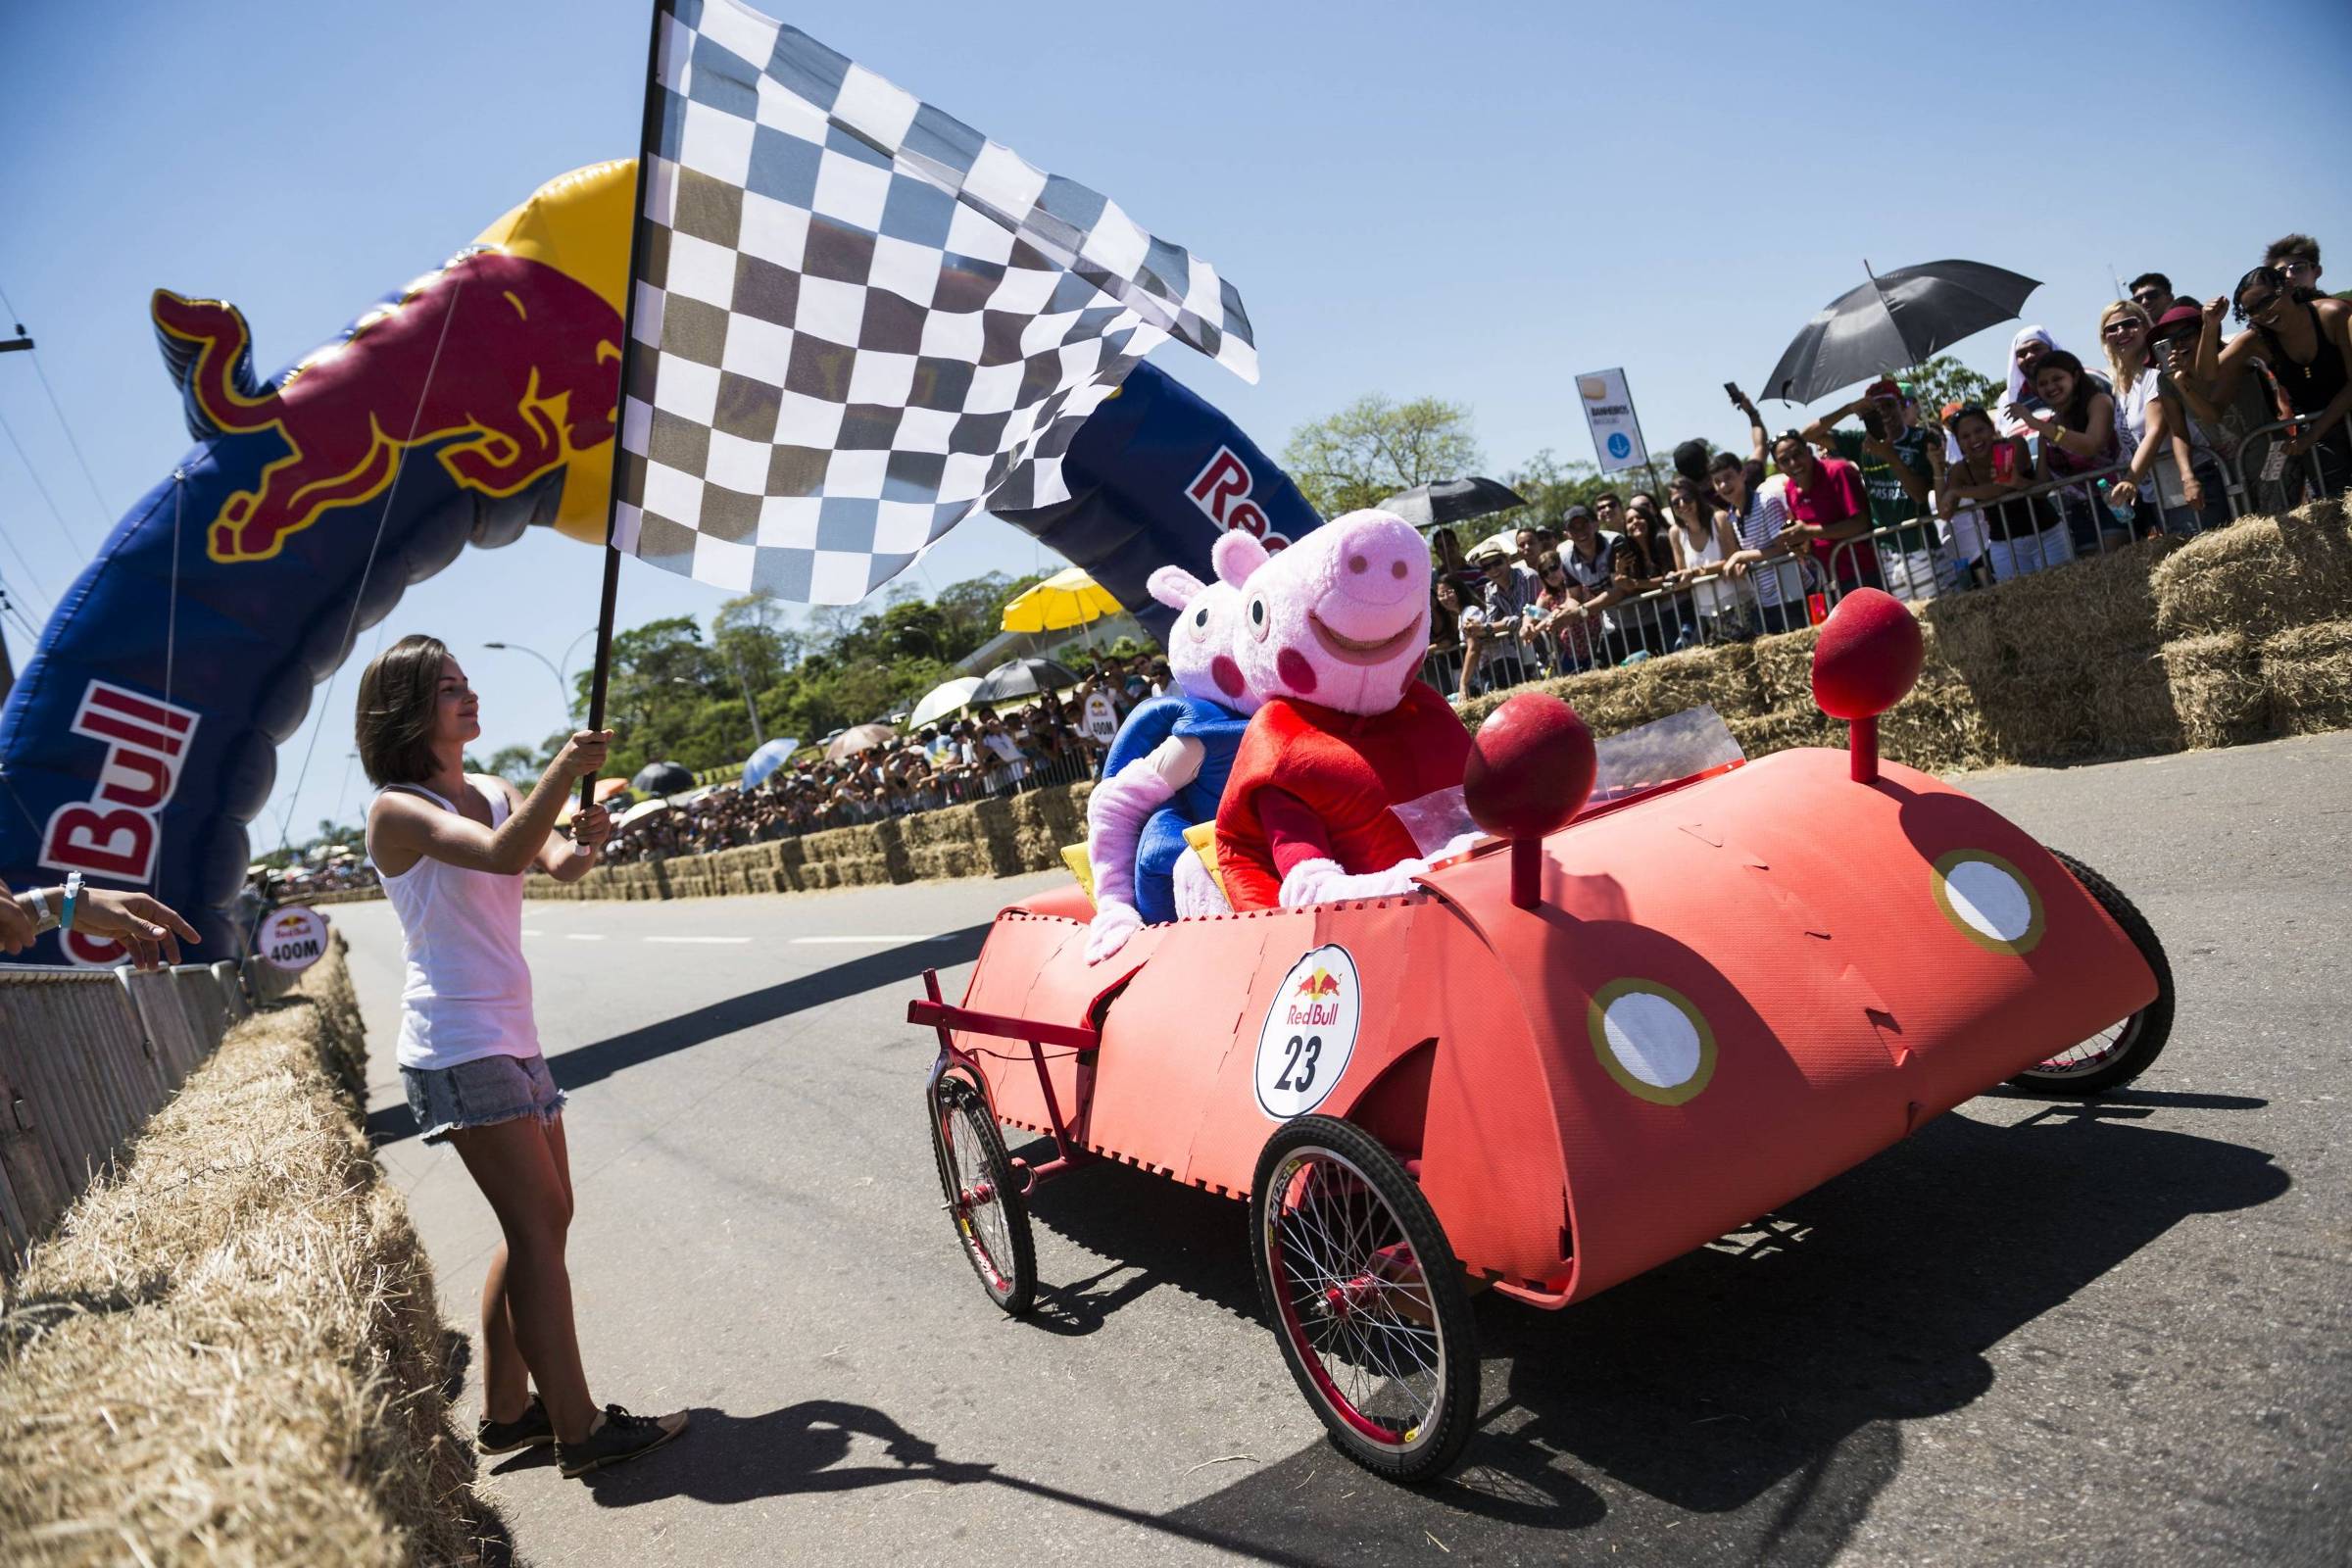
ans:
(1321, 802)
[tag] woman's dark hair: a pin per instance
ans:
(2076, 416)
(398, 692)
(1970, 410)
(1649, 544)
(2278, 283)
(1442, 626)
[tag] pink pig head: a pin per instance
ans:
(1341, 617)
(1208, 616)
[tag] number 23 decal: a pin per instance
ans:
(1308, 1033)
(1301, 1064)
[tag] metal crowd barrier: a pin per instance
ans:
(2297, 479)
(87, 1055)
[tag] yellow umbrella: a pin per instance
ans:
(1064, 599)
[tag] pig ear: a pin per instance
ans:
(1235, 555)
(1173, 586)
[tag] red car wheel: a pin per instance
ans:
(1365, 1296)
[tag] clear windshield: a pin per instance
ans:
(1662, 752)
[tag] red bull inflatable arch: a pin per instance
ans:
(476, 401)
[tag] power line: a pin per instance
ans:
(105, 512)
(28, 575)
(55, 515)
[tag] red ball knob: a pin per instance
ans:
(1868, 656)
(1531, 767)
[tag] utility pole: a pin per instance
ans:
(758, 738)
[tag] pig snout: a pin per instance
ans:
(1380, 572)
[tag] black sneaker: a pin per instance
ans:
(618, 1436)
(526, 1430)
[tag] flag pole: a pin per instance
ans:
(648, 130)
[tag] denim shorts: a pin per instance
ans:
(479, 1092)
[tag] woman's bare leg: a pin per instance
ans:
(515, 1164)
(505, 1377)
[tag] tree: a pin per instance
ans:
(1944, 379)
(1374, 448)
(517, 764)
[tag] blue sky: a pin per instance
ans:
(1474, 206)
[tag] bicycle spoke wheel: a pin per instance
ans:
(991, 1218)
(1366, 1298)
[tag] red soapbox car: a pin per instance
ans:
(1622, 1029)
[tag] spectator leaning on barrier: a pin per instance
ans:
(1506, 618)
(1591, 562)
(1644, 559)
(1572, 635)
(2304, 339)
(1703, 547)
(2078, 437)
(1758, 520)
(2172, 480)
(1828, 511)
(2023, 533)
(1896, 458)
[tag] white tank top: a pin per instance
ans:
(468, 993)
(1707, 593)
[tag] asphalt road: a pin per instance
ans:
(2032, 1333)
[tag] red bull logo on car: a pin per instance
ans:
(1310, 1032)
(509, 365)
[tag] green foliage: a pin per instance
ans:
(1944, 379)
(674, 696)
(1374, 448)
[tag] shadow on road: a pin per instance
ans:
(1744, 1403)
(590, 1063)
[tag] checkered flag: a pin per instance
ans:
(855, 318)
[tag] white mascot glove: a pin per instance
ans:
(1114, 921)
(1323, 882)
(1115, 813)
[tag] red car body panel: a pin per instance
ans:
(1730, 991)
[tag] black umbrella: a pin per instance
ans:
(1896, 319)
(661, 779)
(1017, 678)
(1445, 500)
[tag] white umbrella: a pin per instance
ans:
(947, 697)
(641, 810)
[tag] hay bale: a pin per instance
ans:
(1785, 670)
(2307, 674)
(2105, 600)
(2216, 689)
(2132, 706)
(248, 1305)
(2262, 575)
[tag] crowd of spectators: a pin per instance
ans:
(2178, 432)
(1058, 737)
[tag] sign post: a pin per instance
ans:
(1609, 416)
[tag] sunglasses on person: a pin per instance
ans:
(2146, 297)
(2120, 328)
(2296, 269)
(2260, 305)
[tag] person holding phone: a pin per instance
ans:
(2022, 533)
(2306, 340)
(452, 850)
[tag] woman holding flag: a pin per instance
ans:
(452, 850)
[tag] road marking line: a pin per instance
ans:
(584, 936)
(698, 939)
(828, 941)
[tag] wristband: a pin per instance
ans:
(72, 897)
(43, 918)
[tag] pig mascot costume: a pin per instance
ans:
(1167, 767)
(1349, 777)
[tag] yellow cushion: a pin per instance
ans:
(1203, 837)
(1073, 855)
